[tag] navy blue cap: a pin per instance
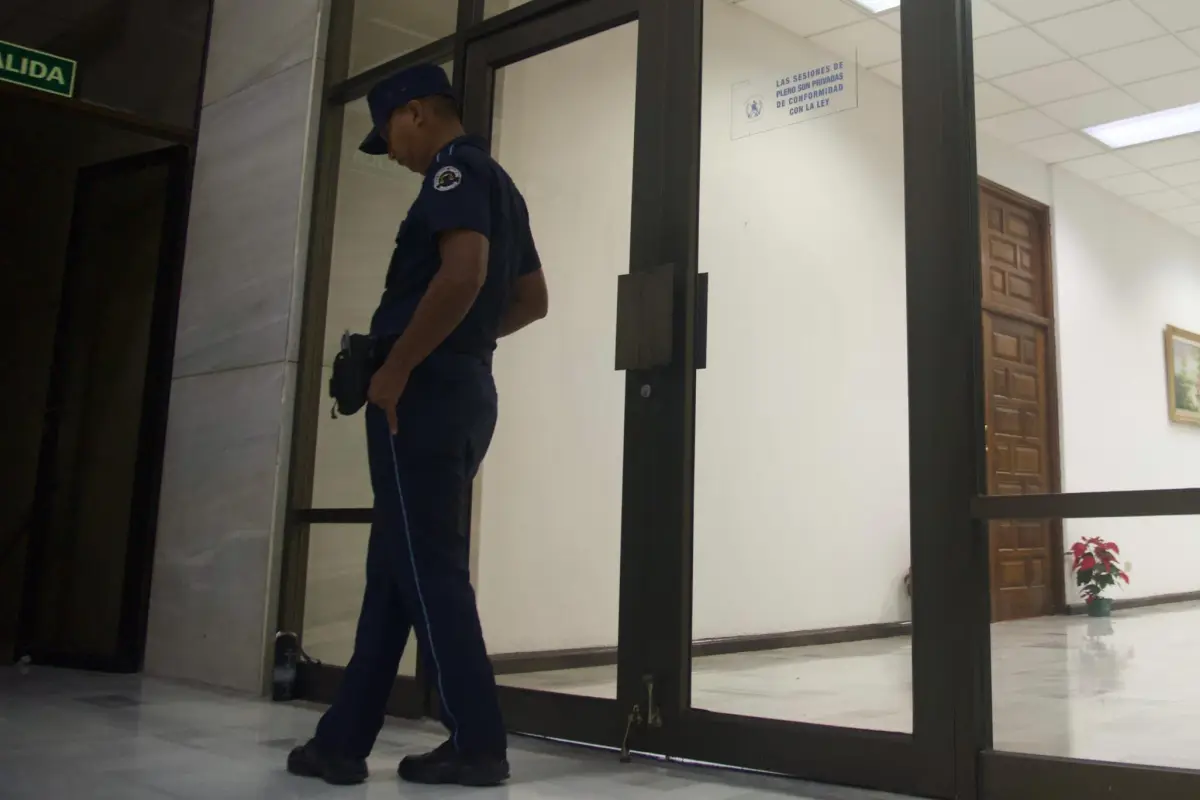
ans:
(414, 83)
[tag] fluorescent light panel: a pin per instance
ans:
(878, 6)
(1148, 127)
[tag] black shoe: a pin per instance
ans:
(446, 766)
(309, 762)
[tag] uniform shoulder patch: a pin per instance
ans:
(447, 178)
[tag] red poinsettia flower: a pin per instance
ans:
(1124, 577)
(1087, 562)
(1109, 546)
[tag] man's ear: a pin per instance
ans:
(419, 112)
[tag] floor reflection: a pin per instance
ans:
(1119, 689)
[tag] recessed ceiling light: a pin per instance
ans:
(1148, 127)
(878, 6)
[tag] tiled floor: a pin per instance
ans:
(1113, 690)
(69, 735)
(1119, 690)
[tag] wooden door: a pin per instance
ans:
(1021, 453)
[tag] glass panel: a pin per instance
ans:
(387, 29)
(493, 7)
(333, 595)
(1082, 392)
(373, 197)
(801, 542)
(1115, 688)
(547, 528)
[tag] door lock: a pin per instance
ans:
(651, 719)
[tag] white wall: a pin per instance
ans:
(1123, 274)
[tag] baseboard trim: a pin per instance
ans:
(580, 658)
(1143, 602)
(583, 657)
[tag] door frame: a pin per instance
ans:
(156, 394)
(653, 707)
(1053, 408)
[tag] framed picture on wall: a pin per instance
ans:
(1183, 375)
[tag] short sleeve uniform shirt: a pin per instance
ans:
(464, 189)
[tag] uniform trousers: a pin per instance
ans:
(418, 573)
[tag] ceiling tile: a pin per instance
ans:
(1193, 228)
(1179, 174)
(1094, 168)
(807, 18)
(1192, 190)
(1021, 126)
(1093, 109)
(1034, 10)
(1175, 15)
(1053, 82)
(892, 73)
(1192, 37)
(1161, 201)
(891, 19)
(992, 102)
(1100, 28)
(1063, 147)
(1134, 183)
(1164, 153)
(1144, 60)
(987, 19)
(1182, 215)
(1169, 91)
(874, 42)
(1013, 51)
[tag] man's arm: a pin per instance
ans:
(446, 301)
(529, 302)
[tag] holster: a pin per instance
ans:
(353, 368)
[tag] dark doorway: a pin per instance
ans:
(93, 224)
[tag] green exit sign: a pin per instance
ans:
(34, 69)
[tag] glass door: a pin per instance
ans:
(711, 556)
(546, 512)
(802, 547)
(714, 524)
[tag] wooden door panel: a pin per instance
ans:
(1018, 462)
(1014, 269)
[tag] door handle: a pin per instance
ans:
(645, 315)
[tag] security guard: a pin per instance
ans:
(464, 273)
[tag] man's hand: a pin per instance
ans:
(387, 385)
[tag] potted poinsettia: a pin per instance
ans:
(1097, 567)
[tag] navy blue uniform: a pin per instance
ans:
(417, 558)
